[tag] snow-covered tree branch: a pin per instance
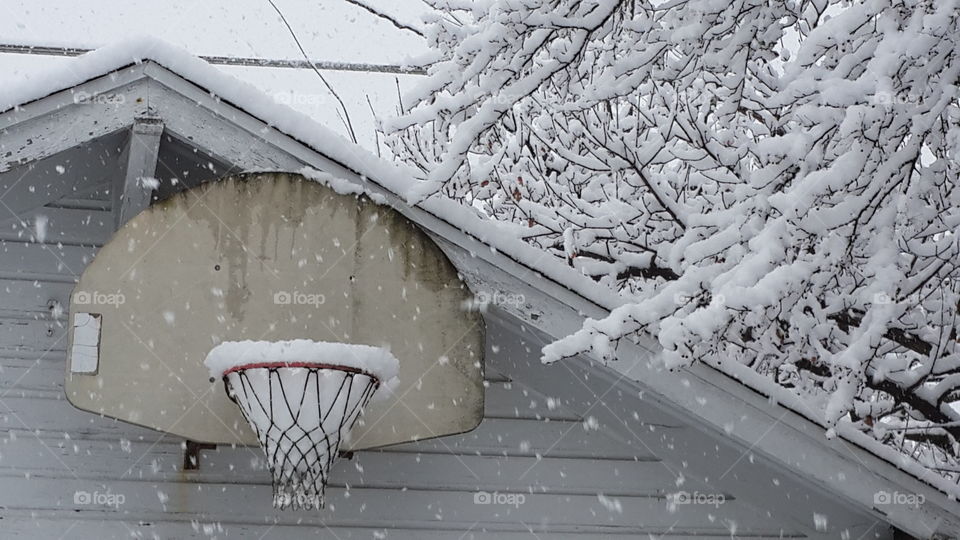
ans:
(771, 183)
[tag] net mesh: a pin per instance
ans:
(300, 415)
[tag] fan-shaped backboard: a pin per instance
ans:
(270, 257)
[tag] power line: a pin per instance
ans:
(235, 60)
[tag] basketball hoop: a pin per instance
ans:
(301, 409)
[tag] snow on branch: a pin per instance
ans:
(768, 183)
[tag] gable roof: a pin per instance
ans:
(730, 401)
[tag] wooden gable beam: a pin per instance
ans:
(143, 146)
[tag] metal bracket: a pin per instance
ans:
(191, 454)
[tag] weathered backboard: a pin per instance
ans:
(271, 257)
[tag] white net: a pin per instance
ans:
(300, 415)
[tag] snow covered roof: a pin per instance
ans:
(765, 418)
(395, 177)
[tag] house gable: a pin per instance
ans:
(719, 417)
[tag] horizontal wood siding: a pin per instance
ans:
(527, 445)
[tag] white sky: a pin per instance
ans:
(328, 30)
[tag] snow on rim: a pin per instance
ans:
(231, 355)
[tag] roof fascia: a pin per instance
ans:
(64, 119)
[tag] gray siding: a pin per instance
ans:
(49, 450)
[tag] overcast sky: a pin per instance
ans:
(328, 30)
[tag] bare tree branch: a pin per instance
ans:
(393, 20)
(345, 114)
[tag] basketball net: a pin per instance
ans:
(300, 413)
